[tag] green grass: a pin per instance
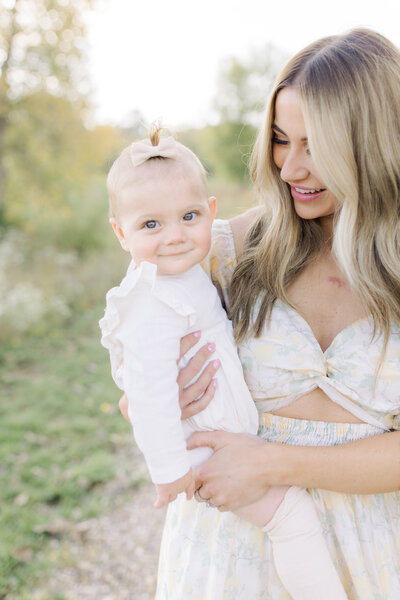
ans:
(60, 434)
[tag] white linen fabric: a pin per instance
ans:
(145, 318)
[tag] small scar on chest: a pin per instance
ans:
(336, 281)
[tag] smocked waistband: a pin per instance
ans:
(301, 432)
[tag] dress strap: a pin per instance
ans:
(324, 384)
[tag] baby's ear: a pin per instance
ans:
(119, 233)
(212, 204)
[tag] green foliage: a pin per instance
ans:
(224, 149)
(41, 285)
(42, 99)
(42, 48)
(61, 437)
(244, 85)
(243, 89)
(231, 147)
(55, 184)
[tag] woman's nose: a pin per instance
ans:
(294, 168)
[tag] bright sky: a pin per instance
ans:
(162, 57)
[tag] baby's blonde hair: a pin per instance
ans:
(123, 173)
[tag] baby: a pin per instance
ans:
(162, 216)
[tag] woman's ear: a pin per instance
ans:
(212, 204)
(119, 233)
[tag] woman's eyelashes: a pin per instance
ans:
(276, 140)
(282, 142)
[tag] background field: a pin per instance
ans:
(66, 454)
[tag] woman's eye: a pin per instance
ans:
(276, 140)
(189, 216)
(151, 224)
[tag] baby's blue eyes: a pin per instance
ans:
(190, 216)
(151, 224)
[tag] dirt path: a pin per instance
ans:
(112, 557)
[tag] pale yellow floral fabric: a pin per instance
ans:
(207, 555)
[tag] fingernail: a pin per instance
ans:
(216, 363)
(197, 334)
(211, 347)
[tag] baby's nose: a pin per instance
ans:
(175, 234)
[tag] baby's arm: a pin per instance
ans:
(151, 339)
(188, 397)
(167, 492)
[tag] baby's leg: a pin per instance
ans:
(300, 552)
(261, 512)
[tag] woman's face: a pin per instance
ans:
(292, 156)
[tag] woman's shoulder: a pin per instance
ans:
(227, 245)
(240, 225)
(228, 236)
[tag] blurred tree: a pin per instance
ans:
(42, 82)
(243, 85)
(56, 173)
(242, 92)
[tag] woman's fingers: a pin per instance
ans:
(188, 342)
(197, 388)
(195, 365)
(212, 439)
(194, 398)
(234, 475)
(192, 407)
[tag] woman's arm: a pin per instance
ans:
(242, 467)
(367, 466)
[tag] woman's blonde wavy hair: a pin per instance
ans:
(349, 88)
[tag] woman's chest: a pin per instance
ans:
(324, 299)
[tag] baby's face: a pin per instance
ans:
(167, 223)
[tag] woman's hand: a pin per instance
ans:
(193, 398)
(235, 475)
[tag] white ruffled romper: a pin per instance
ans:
(145, 318)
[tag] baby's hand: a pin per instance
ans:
(167, 492)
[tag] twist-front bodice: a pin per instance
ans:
(286, 361)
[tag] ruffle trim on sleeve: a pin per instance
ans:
(117, 300)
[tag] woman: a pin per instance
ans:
(314, 294)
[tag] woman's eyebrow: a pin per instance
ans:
(279, 130)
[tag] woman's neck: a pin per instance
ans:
(327, 229)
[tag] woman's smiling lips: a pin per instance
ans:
(306, 194)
